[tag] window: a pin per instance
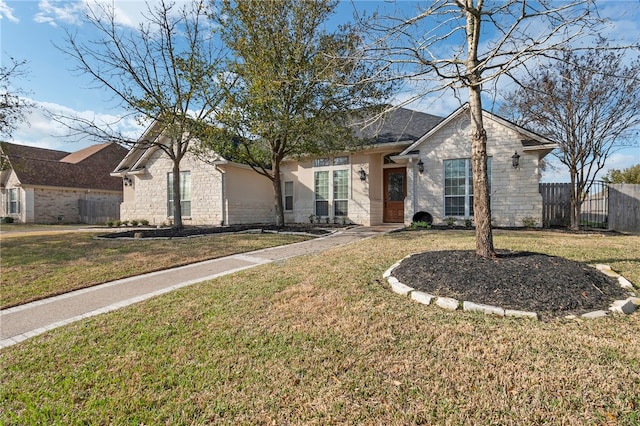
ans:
(458, 187)
(331, 186)
(185, 194)
(340, 192)
(340, 161)
(288, 196)
(13, 201)
(321, 188)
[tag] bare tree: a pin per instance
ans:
(589, 103)
(165, 71)
(13, 106)
(470, 44)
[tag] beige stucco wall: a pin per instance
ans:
(226, 194)
(514, 192)
(249, 196)
(365, 197)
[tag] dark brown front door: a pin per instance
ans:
(395, 190)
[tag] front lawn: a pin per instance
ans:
(322, 340)
(37, 266)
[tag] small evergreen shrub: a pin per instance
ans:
(420, 225)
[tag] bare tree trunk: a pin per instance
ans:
(575, 204)
(177, 205)
(481, 198)
(277, 191)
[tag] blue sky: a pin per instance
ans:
(30, 28)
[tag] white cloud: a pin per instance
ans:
(129, 13)
(41, 131)
(7, 12)
(53, 12)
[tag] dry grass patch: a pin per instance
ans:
(321, 340)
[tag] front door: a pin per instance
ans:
(395, 190)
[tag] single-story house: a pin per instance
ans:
(48, 186)
(411, 166)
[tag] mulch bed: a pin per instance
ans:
(549, 285)
(191, 231)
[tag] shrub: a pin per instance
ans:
(421, 224)
(529, 222)
(144, 222)
(134, 223)
(450, 221)
(7, 219)
(109, 223)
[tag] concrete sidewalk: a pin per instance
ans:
(22, 322)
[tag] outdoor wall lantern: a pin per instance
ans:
(420, 166)
(363, 174)
(515, 160)
(127, 181)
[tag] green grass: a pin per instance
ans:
(322, 340)
(37, 266)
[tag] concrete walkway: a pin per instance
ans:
(25, 321)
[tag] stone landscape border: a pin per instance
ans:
(626, 306)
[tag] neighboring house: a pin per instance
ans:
(47, 186)
(214, 192)
(411, 166)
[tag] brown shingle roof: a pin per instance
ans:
(88, 168)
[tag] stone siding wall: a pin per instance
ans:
(514, 192)
(147, 198)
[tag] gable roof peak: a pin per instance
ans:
(83, 154)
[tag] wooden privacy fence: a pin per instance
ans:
(556, 204)
(95, 212)
(614, 207)
(624, 207)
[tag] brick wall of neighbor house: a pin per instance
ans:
(60, 205)
(514, 192)
(49, 204)
(147, 199)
